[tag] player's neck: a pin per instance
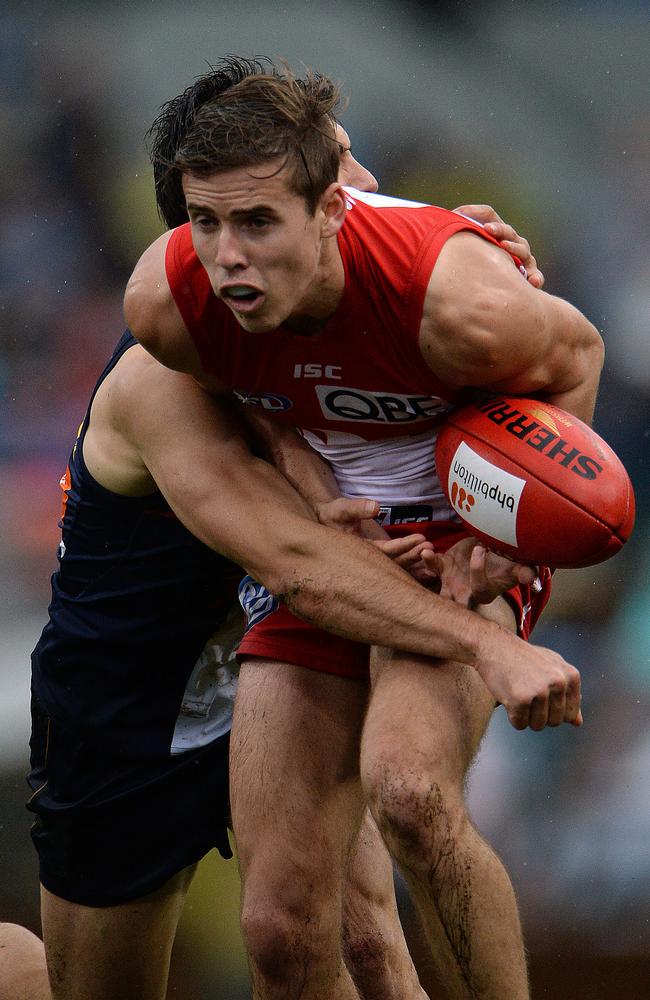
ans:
(323, 295)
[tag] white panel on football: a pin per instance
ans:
(485, 496)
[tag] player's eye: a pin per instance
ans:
(204, 222)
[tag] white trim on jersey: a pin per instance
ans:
(388, 201)
(380, 200)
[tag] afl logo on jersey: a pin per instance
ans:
(267, 400)
(363, 406)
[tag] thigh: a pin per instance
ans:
(427, 716)
(112, 952)
(294, 772)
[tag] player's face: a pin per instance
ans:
(264, 253)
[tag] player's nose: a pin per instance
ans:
(229, 252)
(361, 178)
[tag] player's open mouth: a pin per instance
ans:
(241, 298)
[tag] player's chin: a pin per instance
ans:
(255, 322)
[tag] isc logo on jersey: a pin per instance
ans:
(486, 496)
(365, 407)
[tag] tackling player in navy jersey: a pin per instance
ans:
(129, 746)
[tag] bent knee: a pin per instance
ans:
(278, 938)
(415, 813)
(366, 954)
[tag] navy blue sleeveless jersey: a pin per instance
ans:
(134, 600)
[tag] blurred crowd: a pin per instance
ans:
(568, 810)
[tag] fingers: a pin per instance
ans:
(572, 712)
(412, 554)
(347, 513)
(527, 576)
(519, 246)
(507, 236)
(547, 710)
(535, 276)
(559, 703)
(491, 574)
(404, 551)
(480, 213)
(435, 566)
(435, 561)
(483, 590)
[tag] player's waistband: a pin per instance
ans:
(412, 514)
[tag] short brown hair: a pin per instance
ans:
(262, 118)
(174, 121)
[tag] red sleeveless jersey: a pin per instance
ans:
(363, 373)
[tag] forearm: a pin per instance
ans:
(344, 585)
(381, 605)
(244, 509)
(291, 455)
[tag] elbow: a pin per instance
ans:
(597, 351)
(589, 357)
(291, 576)
(290, 583)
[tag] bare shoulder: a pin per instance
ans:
(154, 320)
(135, 373)
(148, 294)
(140, 390)
(143, 416)
(484, 325)
(458, 336)
(151, 312)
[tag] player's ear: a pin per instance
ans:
(333, 208)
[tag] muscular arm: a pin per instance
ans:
(193, 448)
(484, 326)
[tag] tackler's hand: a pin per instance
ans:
(508, 237)
(537, 686)
(355, 516)
(409, 552)
(471, 575)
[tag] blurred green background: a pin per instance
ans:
(540, 109)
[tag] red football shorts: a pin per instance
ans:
(274, 633)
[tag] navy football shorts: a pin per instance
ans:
(109, 830)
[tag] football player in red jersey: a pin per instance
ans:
(283, 270)
(141, 408)
(286, 272)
